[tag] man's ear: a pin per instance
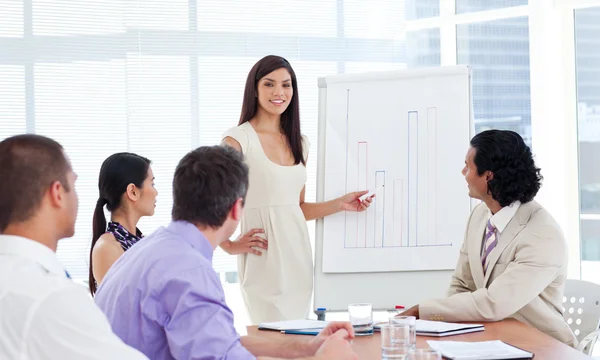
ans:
(55, 194)
(489, 175)
(237, 209)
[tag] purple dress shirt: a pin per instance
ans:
(163, 298)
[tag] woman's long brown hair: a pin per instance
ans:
(290, 119)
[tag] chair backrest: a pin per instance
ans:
(581, 307)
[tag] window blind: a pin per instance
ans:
(159, 77)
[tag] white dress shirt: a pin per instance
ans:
(45, 315)
(501, 219)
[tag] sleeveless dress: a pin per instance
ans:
(123, 236)
(277, 285)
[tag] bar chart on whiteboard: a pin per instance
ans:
(409, 154)
(398, 194)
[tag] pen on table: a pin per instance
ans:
(300, 332)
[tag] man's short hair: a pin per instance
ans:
(29, 164)
(504, 153)
(207, 183)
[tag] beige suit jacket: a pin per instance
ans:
(525, 278)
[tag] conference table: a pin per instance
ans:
(510, 331)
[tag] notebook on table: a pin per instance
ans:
(481, 350)
(441, 329)
(302, 324)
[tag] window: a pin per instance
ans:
(12, 100)
(161, 77)
(11, 19)
(587, 47)
(498, 52)
(159, 121)
(269, 17)
(81, 104)
(465, 6)
(68, 18)
(421, 9)
(423, 48)
(367, 20)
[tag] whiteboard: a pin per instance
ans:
(403, 135)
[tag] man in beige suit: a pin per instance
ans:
(513, 261)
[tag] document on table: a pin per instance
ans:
(439, 328)
(482, 350)
(301, 324)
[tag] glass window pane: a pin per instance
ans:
(421, 9)
(11, 18)
(590, 233)
(587, 47)
(590, 249)
(365, 20)
(465, 6)
(12, 100)
(587, 57)
(82, 106)
(66, 17)
(158, 104)
(219, 76)
(269, 17)
(417, 49)
(498, 52)
(423, 48)
(157, 14)
(355, 67)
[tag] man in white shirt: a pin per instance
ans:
(43, 314)
(513, 261)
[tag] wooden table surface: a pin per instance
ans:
(510, 331)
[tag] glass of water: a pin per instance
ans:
(411, 321)
(395, 341)
(361, 318)
(424, 354)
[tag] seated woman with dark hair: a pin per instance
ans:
(126, 186)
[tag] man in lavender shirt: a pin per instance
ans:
(163, 297)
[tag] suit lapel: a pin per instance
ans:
(509, 234)
(475, 238)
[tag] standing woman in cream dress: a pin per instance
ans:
(277, 285)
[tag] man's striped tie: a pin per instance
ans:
(491, 240)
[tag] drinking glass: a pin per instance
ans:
(361, 318)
